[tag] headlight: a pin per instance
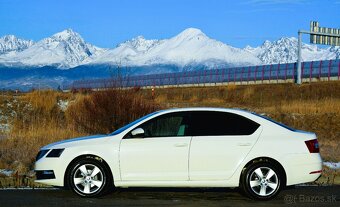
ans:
(41, 154)
(55, 153)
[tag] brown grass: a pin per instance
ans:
(38, 120)
(106, 111)
(312, 107)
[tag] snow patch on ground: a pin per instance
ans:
(332, 165)
(6, 172)
(63, 104)
(4, 127)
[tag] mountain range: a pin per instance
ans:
(66, 56)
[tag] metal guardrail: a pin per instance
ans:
(274, 73)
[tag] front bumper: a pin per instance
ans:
(50, 171)
(44, 174)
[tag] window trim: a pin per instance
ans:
(188, 114)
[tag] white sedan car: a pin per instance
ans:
(189, 147)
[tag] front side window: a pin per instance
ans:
(118, 131)
(168, 125)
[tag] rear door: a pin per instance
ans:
(219, 144)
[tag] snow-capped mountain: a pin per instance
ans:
(126, 51)
(11, 43)
(26, 64)
(140, 44)
(65, 49)
(191, 46)
(284, 50)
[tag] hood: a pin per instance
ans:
(69, 142)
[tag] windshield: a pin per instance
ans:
(278, 123)
(118, 131)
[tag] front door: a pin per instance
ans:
(161, 154)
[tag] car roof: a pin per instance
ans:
(236, 110)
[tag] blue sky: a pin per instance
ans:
(106, 23)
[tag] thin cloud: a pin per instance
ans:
(273, 2)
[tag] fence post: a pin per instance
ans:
(320, 66)
(248, 75)
(216, 77)
(234, 75)
(242, 74)
(262, 73)
(229, 75)
(293, 74)
(222, 81)
(255, 74)
(286, 68)
(302, 71)
(329, 69)
(339, 71)
(179, 79)
(311, 71)
(277, 73)
(204, 77)
(210, 76)
(270, 72)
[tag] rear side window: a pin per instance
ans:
(211, 123)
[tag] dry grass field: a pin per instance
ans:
(311, 107)
(37, 118)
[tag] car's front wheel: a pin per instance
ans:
(89, 178)
(261, 181)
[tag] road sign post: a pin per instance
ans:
(318, 35)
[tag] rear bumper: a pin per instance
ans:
(303, 168)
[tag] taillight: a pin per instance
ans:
(313, 146)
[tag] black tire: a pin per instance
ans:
(89, 185)
(261, 188)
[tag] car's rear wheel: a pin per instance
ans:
(89, 178)
(261, 181)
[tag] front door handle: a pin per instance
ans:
(181, 145)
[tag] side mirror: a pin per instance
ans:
(137, 132)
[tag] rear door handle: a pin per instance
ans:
(244, 144)
(181, 145)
